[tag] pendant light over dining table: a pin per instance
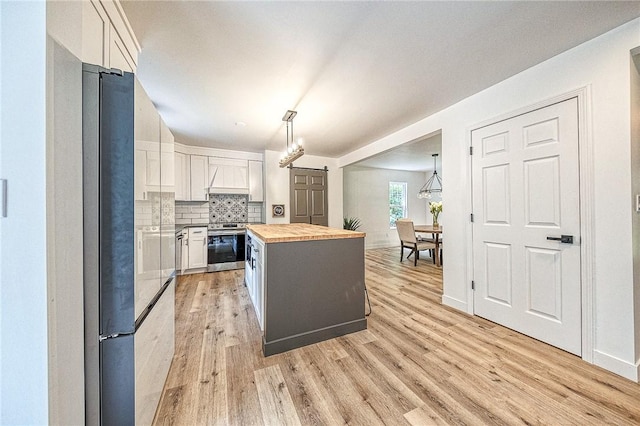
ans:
(294, 150)
(433, 185)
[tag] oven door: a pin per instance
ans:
(225, 250)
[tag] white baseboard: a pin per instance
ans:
(616, 365)
(454, 303)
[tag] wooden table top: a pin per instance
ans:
(428, 228)
(300, 232)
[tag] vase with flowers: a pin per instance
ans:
(435, 207)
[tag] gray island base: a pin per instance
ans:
(313, 290)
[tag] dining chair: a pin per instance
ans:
(409, 240)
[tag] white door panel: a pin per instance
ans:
(525, 189)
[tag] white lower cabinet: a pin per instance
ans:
(258, 279)
(197, 247)
(254, 277)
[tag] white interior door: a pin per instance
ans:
(526, 191)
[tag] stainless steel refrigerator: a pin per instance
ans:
(129, 244)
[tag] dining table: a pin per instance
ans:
(435, 231)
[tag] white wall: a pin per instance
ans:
(23, 275)
(277, 185)
(635, 186)
(366, 196)
(601, 65)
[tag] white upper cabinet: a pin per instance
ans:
(118, 55)
(106, 36)
(182, 172)
(200, 171)
(256, 190)
(95, 30)
(228, 175)
(199, 176)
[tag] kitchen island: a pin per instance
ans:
(306, 283)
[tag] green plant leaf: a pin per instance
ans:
(351, 223)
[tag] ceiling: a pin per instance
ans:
(414, 156)
(354, 71)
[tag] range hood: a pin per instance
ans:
(227, 176)
(223, 190)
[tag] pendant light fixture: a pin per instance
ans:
(294, 150)
(433, 185)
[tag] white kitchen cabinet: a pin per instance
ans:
(106, 39)
(258, 281)
(197, 247)
(95, 30)
(248, 276)
(182, 172)
(118, 55)
(228, 175)
(199, 177)
(254, 276)
(256, 188)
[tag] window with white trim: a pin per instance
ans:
(397, 202)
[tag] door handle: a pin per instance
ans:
(565, 239)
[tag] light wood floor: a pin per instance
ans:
(418, 363)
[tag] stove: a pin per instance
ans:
(225, 246)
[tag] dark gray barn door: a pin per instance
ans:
(308, 190)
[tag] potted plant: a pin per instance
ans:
(351, 223)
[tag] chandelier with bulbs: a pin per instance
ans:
(294, 150)
(433, 185)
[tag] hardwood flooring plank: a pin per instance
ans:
(424, 415)
(199, 295)
(384, 378)
(242, 394)
(275, 401)
(418, 363)
(212, 386)
(345, 396)
(313, 402)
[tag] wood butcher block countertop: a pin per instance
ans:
(300, 232)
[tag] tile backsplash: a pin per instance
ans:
(192, 212)
(198, 212)
(224, 208)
